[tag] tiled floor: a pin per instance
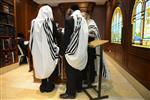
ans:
(18, 85)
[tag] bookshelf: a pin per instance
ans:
(8, 45)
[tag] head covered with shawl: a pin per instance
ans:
(42, 45)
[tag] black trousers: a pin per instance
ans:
(89, 72)
(74, 80)
(48, 83)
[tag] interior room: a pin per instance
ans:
(106, 41)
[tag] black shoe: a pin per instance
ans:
(43, 85)
(66, 96)
(50, 87)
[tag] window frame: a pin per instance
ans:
(117, 21)
(134, 20)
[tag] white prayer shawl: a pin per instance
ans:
(92, 27)
(43, 49)
(76, 52)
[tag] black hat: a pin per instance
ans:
(75, 7)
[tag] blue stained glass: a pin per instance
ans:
(147, 21)
(148, 4)
(139, 8)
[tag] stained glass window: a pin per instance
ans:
(141, 23)
(116, 26)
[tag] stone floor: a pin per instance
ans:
(17, 84)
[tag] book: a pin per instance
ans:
(6, 43)
(11, 9)
(6, 8)
(10, 19)
(1, 44)
(10, 30)
(1, 8)
(8, 1)
(2, 29)
(3, 19)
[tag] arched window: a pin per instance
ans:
(141, 23)
(116, 26)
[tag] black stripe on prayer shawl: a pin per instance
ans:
(49, 29)
(50, 39)
(50, 42)
(93, 27)
(32, 36)
(73, 45)
(74, 38)
(74, 42)
(78, 23)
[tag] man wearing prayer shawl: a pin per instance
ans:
(43, 47)
(75, 51)
(92, 67)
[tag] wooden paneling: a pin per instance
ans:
(99, 15)
(26, 10)
(58, 16)
(20, 26)
(31, 13)
(84, 6)
(134, 59)
(140, 69)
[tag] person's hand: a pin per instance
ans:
(26, 42)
